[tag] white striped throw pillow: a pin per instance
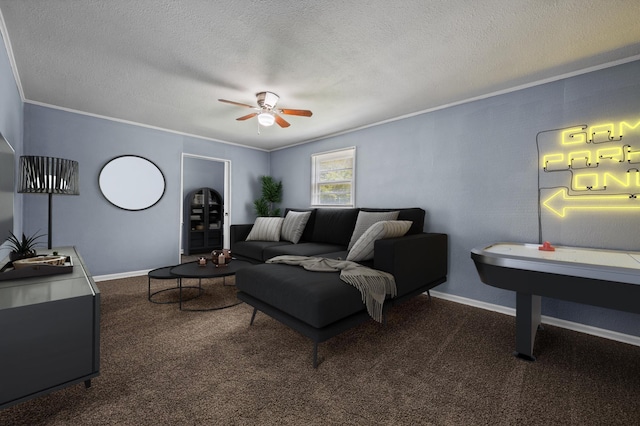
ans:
(363, 248)
(293, 226)
(365, 220)
(266, 229)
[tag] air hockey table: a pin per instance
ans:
(606, 278)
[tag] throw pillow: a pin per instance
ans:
(365, 220)
(266, 229)
(293, 226)
(363, 248)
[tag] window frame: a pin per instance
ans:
(337, 154)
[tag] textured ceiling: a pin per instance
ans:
(164, 63)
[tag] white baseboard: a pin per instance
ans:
(120, 275)
(587, 329)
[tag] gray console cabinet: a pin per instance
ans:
(49, 332)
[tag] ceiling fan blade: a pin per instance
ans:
(281, 121)
(236, 103)
(246, 117)
(301, 112)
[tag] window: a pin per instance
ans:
(333, 178)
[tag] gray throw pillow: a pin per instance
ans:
(365, 220)
(363, 248)
(293, 226)
(266, 229)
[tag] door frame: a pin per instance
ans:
(226, 212)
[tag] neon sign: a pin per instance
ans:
(594, 168)
(597, 134)
(560, 203)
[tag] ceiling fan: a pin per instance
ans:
(267, 112)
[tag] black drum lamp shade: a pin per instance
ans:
(48, 175)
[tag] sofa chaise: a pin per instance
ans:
(320, 305)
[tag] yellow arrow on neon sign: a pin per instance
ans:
(560, 202)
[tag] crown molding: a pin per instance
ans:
(12, 59)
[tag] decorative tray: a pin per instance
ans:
(33, 268)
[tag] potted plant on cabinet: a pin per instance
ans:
(22, 248)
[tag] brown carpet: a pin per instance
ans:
(435, 362)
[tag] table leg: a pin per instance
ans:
(180, 295)
(315, 354)
(527, 322)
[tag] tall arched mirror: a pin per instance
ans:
(132, 182)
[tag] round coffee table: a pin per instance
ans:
(195, 270)
(165, 274)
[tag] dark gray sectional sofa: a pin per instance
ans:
(319, 304)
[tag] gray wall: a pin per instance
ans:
(11, 125)
(474, 169)
(112, 240)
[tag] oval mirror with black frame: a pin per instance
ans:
(131, 182)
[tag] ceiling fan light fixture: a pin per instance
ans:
(266, 111)
(266, 119)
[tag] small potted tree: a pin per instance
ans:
(22, 248)
(271, 194)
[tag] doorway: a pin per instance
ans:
(198, 171)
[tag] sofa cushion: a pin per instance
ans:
(334, 226)
(301, 249)
(254, 249)
(414, 214)
(363, 248)
(317, 298)
(266, 229)
(365, 220)
(293, 226)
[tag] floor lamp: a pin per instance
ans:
(48, 175)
